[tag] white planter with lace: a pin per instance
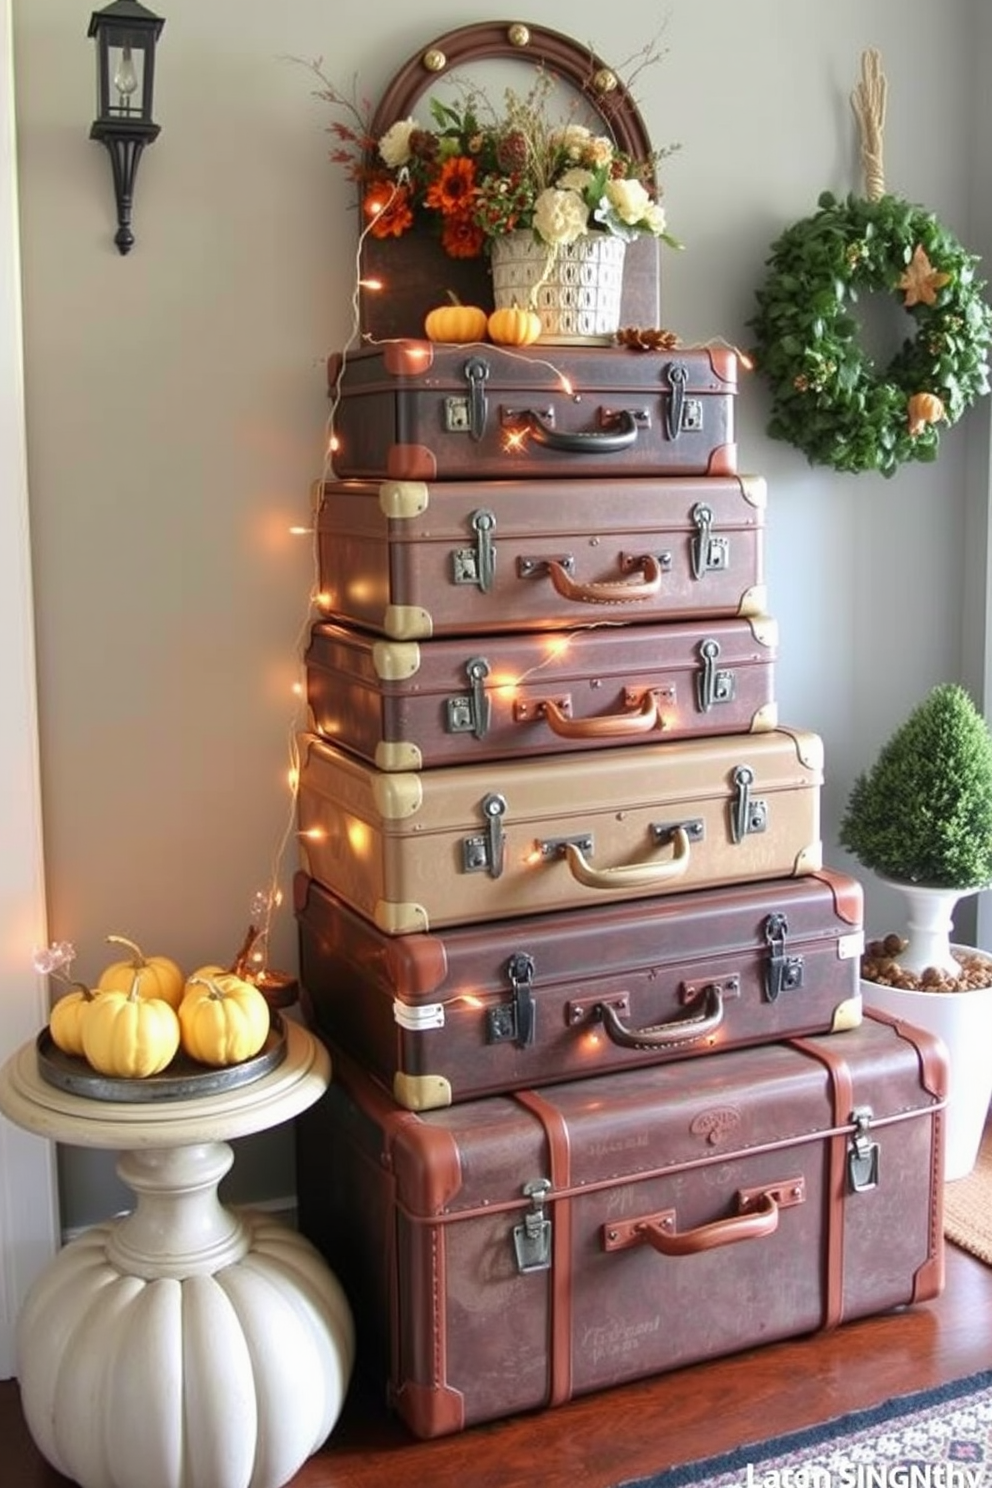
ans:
(576, 288)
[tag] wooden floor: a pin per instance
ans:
(603, 1439)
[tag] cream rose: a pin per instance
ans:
(560, 216)
(394, 147)
(629, 200)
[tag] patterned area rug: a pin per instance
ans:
(938, 1438)
(968, 1206)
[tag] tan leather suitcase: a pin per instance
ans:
(444, 1016)
(410, 560)
(414, 850)
(511, 1253)
(408, 705)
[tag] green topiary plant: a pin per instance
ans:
(923, 813)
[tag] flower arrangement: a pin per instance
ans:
(476, 178)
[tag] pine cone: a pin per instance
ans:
(642, 338)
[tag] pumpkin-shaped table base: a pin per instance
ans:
(186, 1345)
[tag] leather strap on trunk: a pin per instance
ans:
(560, 1281)
(842, 1091)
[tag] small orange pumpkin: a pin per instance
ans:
(923, 409)
(156, 976)
(455, 322)
(512, 326)
(65, 1021)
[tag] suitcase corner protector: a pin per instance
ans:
(848, 1014)
(407, 623)
(421, 1092)
(396, 755)
(394, 917)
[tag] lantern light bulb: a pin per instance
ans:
(125, 79)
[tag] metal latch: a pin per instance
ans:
(746, 814)
(532, 1237)
(477, 565)
(862, 1156)
(713, 684)
(783, 973)
(471, 715)
(486, 852)
(709, 554)
(515, 1020)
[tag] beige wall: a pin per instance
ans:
(175, 405)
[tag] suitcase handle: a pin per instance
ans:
(757, 1216)
(630, 875)
(606, 593)
(639, 720)
(620, 435)
(666, 1035)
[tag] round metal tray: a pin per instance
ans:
(183, 1079)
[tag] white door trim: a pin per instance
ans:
(28, 1195)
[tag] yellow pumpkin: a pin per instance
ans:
(128, 1035)
(157, 976)
(223, 1019)
(455, 322)
(65, 1023)
(512, 326)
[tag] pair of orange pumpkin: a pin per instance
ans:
(507, 326)
(144, 1008)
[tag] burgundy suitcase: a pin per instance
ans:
(421, 410)
(480, 1010)
(404, 705)
(411, 560)
(513, 1252)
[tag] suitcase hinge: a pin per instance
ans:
(862, 1156)
(532, 1237)
(783, 973)
(471, 715)
(477, 565)
(713, 684)
(682, 413)
(709, 554)
(485, 853)
(515, 1020)
(746, 814)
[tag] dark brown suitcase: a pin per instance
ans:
(407, 705)
(421, 410)
(411, 560)
(513, 1252)
(461, 844)
(480, 1010)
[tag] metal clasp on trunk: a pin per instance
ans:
(532, 1237)
(709, 554)
(713, 684)
(746, 814)
(862, 1156)
(471, 715)
(515, 1020)
(486, 852)
(477, 565)
(783, 973)
(683, 413)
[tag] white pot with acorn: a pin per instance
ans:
(921, 819)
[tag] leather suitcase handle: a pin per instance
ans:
(559, 54)
(760, 1221)
(685, 1030)
(621, 434)
(630, 875)
(640, 720)
(621, 592)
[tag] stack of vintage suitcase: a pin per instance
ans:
(604, 1102)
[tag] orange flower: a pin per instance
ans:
(389, 209)
(462, 238)
(454, 187)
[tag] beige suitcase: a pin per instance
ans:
(465, 843)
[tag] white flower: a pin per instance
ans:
(576, 178)
(573, 139)
(654, 219)
(599, 150)
(560, 216)
(629, 200)
(394, 147)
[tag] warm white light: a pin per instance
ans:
(374, 284)
(300, 531)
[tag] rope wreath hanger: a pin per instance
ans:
(828, 398)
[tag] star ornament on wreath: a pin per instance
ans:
(828, 397)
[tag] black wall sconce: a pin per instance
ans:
(126, 34)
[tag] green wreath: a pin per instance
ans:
(828, 398)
